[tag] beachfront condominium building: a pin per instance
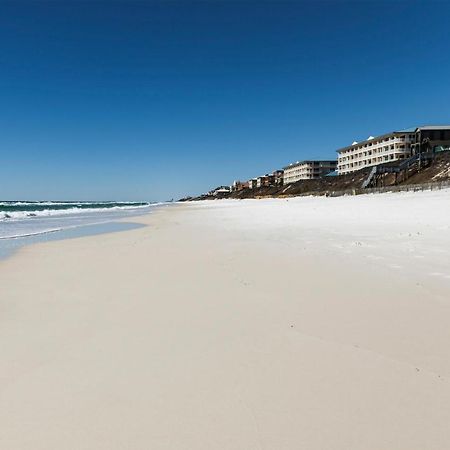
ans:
(432, 138)
(375, 150)
(307, 170)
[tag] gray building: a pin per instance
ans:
(432, 138)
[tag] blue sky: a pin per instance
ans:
(154, 100)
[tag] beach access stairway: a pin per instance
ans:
(400, 167)
(369, 179)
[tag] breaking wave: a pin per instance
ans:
(19, 210)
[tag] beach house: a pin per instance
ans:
(278, 177)
(252, 183)
(239, 186)
(219, 191)
(265, 180)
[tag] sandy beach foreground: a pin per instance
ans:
(309, 323)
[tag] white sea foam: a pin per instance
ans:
(35, 233)
(22, 219)
(33, 213)
(11, 215)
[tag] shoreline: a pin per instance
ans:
(11, 244)
(228, 325)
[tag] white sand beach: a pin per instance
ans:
(285, 324)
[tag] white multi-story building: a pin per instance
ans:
(375, 150)
(307, 170)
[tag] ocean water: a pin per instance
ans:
(23, 222)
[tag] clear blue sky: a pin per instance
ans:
(154, 100)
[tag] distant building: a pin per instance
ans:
(252, 183)
(239, 186)
(219, 191)
(278, 177)
(307, 170)
(265, 180)
(375, 150)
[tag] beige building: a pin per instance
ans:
(375, 150)
(307, 170)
